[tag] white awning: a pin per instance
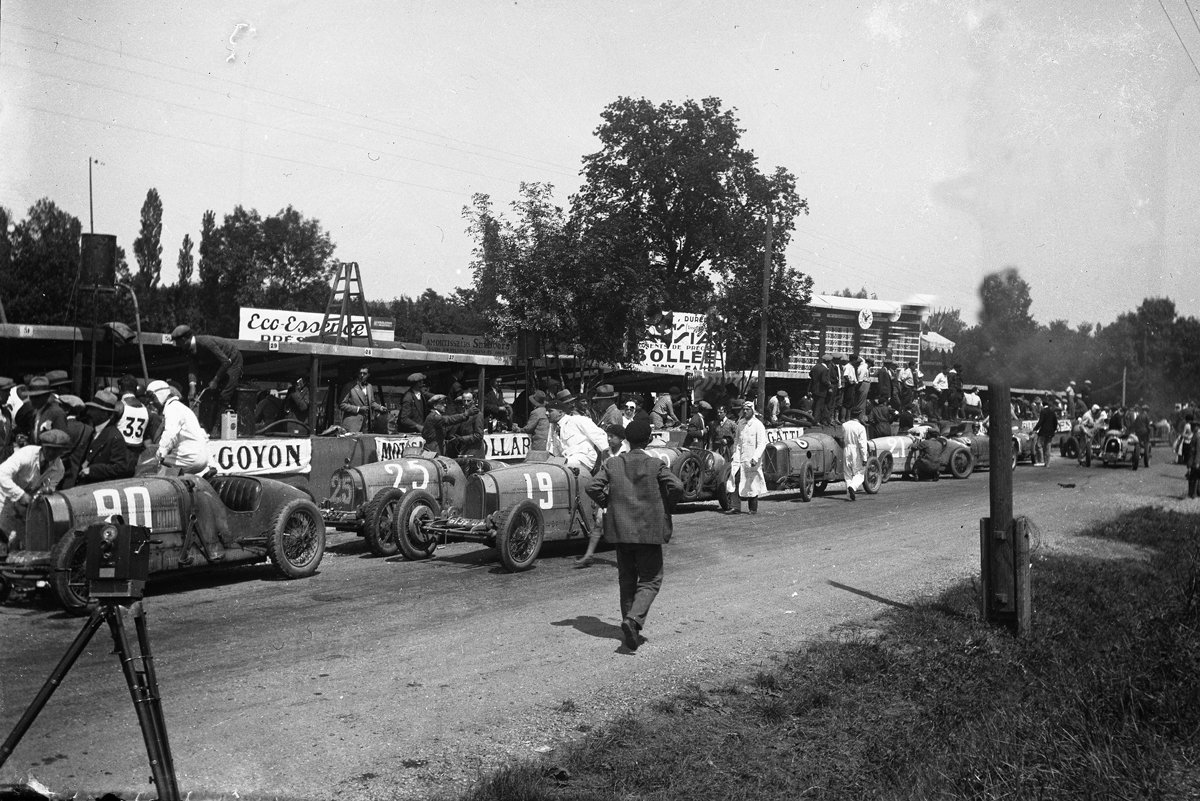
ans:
(936, 342)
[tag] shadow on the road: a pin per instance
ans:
(591, 626)
(872, 596)
(354, 547)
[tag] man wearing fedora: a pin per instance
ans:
(42, 410)
(80, 431)
(30, 470)
(360, 407)
(605, 400)
(108, 456)
(223, 353)
(537, 426)
(412, 406)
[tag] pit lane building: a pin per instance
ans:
(878, 329)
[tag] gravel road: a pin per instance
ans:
(380, 678)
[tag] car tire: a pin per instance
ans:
(378, 519)
(68, 572)
(519, 535)
(886, 462)
(296, 543)
(691, 474)
(416, 507)
(808, 483)
(872, 476)
(723, 497)
(961, 463)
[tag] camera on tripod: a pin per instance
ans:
(118, 559)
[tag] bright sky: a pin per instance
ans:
(935, 140)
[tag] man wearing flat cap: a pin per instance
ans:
(697, 427)
(30, 470)
(108, 456)
(605, 403)
(412, 406)
(663, 413)
(777, 404)
(819, 385)
(537, 425)
(361, 409)
(214, 352)
(437, 422)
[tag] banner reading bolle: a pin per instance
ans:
(260, 457)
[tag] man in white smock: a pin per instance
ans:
(855, 454)
(183, 446)
(745, 465)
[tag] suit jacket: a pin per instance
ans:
(108, 457)
(883, 385)
(639, 491)
(412, 412)
(820, 380)
(359, 408)
(81, 437)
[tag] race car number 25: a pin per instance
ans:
(544, 485)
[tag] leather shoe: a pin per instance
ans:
(629, 634)
(850, 490)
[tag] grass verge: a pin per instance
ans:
(1103, 701)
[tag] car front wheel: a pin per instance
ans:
(68, 572)
(297, 540)
(519, 535)
(380, 515)
(416, 509)
(961, 463)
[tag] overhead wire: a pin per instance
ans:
(244, 121)
(208, 76)
(1177, 34)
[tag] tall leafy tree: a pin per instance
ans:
(147, 248)
(40, 284)
(674, 186)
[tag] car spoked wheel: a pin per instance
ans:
(519, 536)
(297, 540)
(68, 572)
(808, 483)
(413, 513)
(886, 462)
(872, 476)
(690, 473)
(379, 528)
(961, 463)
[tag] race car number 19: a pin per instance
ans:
(544, 484)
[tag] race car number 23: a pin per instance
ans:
(544, 485)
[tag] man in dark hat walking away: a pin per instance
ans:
(638, 492)
(412, 406)
(108, 456)
(224, 354)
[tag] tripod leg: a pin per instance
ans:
(150, 683)
(141, 705)
(56, 677)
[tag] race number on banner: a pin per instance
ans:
(389, 448)
(260, 457)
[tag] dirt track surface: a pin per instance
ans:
(384, 678)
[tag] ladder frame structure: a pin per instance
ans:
(350, 303)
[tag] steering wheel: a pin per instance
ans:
(270, 427)
(798, 415)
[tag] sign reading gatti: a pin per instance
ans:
(260, 457)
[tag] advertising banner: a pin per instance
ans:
(466, 344)
(680, 345)
(389, 448)
(260, 457)
(277, 325)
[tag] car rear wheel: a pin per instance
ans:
(297, 540)
(872, 476)
(416, 509)
(380, 516)
(962, 462)
(519, 535)
(68, 572)
(808, 483)
(885, 467)
(690, 474)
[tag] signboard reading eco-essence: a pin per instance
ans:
(277, 325)
(680, 345)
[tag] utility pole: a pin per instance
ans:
(91, 213)
(762, 331)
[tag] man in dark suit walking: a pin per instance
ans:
(639, 491)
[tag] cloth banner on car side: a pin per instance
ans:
(260, 457)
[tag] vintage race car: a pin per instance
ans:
(897, 454)
(366, 498)
(702, 472)
(980, 445)
(812, 462)
(194, 522)
(1112, 448)
(513, 510)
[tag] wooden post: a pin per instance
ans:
(1003, 544)
(314, 383)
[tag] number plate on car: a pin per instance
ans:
(463, 522)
